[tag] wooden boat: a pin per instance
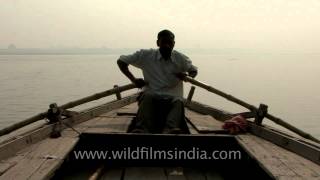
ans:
(28, 152)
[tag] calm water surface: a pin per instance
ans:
(288, 83)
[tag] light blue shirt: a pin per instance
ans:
(160, 73)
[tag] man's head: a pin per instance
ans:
(165, 43)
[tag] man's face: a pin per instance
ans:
(166, 45)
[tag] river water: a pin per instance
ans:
(287, 82)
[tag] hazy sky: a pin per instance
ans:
(259, 24)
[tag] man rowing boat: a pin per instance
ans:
(161, 107)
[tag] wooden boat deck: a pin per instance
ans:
(40, 160)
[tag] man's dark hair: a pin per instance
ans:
(165, 33)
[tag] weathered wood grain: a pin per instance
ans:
(40, 160)
(276, 161)
(308, 150)
(203, 123)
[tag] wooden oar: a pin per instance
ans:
(251, 108)
(67, 106)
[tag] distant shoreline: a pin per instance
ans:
(107, 51)
(36, 51)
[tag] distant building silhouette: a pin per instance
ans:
(12, 47)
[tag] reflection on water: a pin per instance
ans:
(285, 82)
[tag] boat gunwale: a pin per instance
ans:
(298, 145)
(284, 140)
(86, 115)
(10, 147)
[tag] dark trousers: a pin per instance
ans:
(157, 112)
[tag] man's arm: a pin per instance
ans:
(182, 75)
(187, 68)
(192, 72)
(125, 70)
